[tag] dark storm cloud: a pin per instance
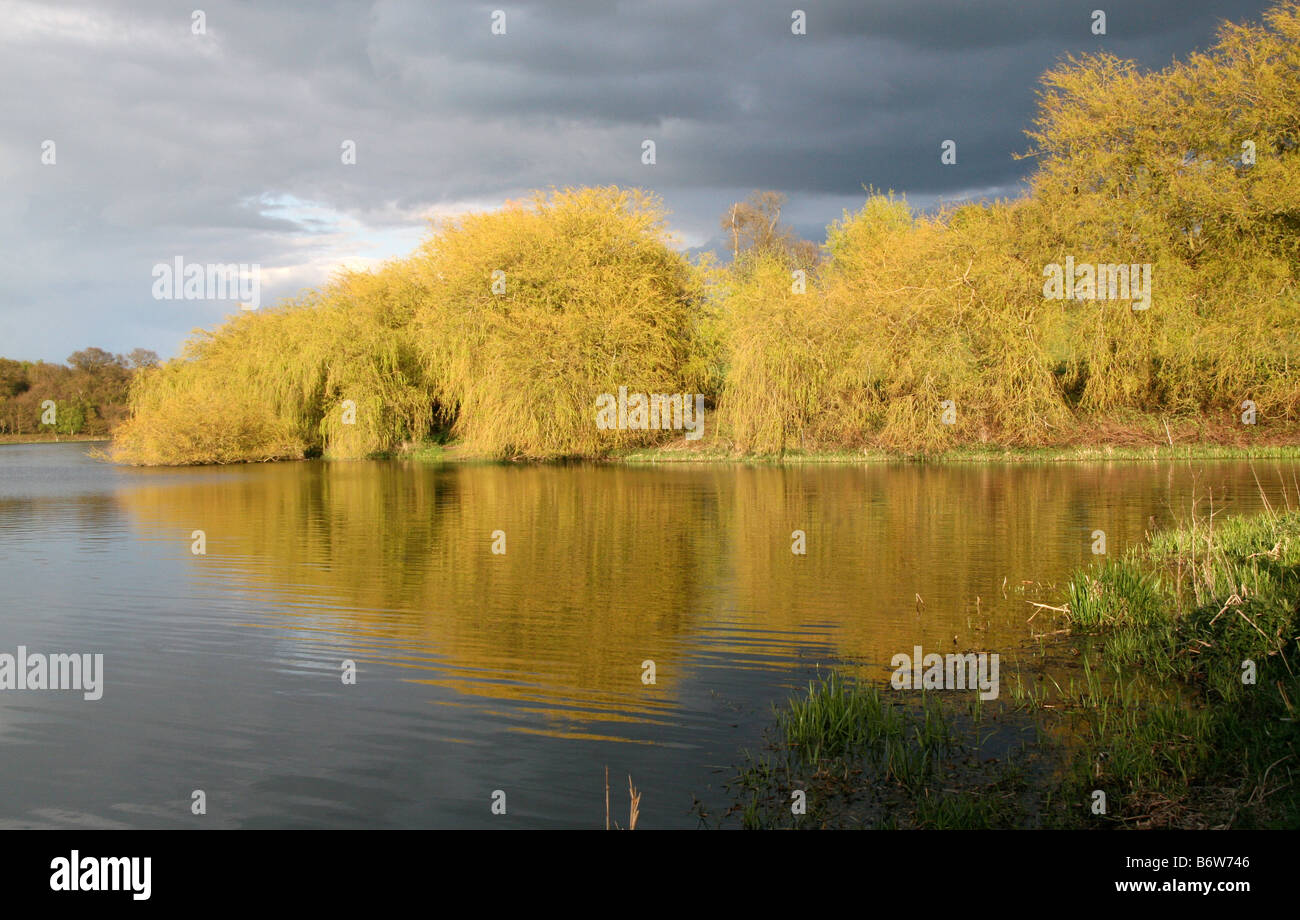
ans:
(225, 147)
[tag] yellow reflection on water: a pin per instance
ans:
(689, 566)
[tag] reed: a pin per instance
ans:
(862, 760)
(1188, 721)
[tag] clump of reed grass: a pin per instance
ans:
(863, 760)
(1178, 732)
(837, 718)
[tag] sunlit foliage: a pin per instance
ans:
(912, 332)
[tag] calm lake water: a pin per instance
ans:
(521, 671)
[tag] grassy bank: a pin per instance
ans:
(1179, 711)
(983, 454)
(1133, 443)
(714, 452)
(1186, 712)
(47, 438)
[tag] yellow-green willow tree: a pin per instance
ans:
(276, 384)
(505, 326)
(533, 311)
(921, 333)
(1194, 169)
(914, 334)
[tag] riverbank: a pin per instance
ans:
(49, 438)
(1186, 712)
(713, 453)
(1165, 698)
(1276, 446)
(981, 454)
(718, 453)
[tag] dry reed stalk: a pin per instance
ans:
(634, 811)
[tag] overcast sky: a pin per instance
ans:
(226, 146)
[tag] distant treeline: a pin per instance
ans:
(1149, 276)
(86, 396)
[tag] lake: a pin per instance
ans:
(502, 620)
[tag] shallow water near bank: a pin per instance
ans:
(521, 671)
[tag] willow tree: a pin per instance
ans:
(1194, 169)
(532, 312)
(335, 371)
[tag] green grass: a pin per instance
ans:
(427, 453)
(1173, 733)
(42, 438)
(1077, 453)
(712, 451)
(870, 758)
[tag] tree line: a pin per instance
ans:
(905, 331)
(87, 395)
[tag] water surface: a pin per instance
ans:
(521, 671)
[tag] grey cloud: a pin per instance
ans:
(174, 144)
